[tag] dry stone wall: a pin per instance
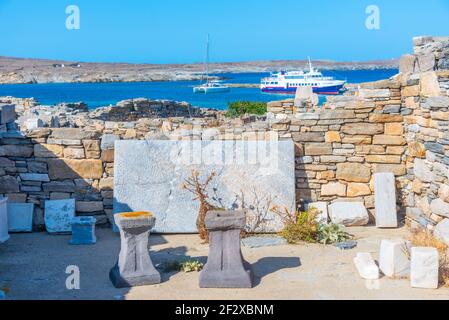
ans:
(397, 125)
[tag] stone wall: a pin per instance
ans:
(397, 125)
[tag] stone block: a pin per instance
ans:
(16, 151)
(333, 189)
(349, 214)
(225, 267)
(318, 149)
(149, 176)
(366, 266)
(7, 113)
(38, 177)
(394, 258)
(358, 190)
(108, 141)
(61, 169)
(74, 134)
(9, 184)
(20, 217)
(363, 128)
(332, 136)
(407, 64)
(353, 172)
(440, 207)
(394, 129)
(74, 153)
(429, 84)
(83, 231)
(89, 206)
(48, 151)
(134, 266)
(385, 200)
(323, 216)
(389, 140)
(424, 268)
(58, 215)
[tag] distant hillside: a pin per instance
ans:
(17, 70)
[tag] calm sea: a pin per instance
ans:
(104, 94)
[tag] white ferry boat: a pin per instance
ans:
(289, 82)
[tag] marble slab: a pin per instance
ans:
(20, 217)
(59, 215)
(149, 176)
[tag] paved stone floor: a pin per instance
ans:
(32, 266)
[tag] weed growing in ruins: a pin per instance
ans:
(194, 185)
(298, 226)
(332, 233)
(191, 266)
(424, 238)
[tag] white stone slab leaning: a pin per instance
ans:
(149, 177)
(385, 200)
(20, 217)
(424, 268)
(366, 266)
(59, 215)
(394, 260)
(4, 235)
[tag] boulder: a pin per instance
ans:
(349, 214)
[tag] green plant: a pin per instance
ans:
(298, 226)
(191, 266)
(332, 233)
(239, 108)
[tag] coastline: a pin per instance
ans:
(37, 71)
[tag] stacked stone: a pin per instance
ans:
(425, 91)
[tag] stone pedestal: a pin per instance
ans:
(393, 258)
(83, 231)
(225, 266)
(134, 266)
(4, 235)
(424, 268)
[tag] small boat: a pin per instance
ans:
(214, 86)
(210, 86)
(289, 82)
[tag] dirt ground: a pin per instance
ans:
(33, 266)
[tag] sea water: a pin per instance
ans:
(105, 94)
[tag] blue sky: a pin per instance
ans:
(174, 31)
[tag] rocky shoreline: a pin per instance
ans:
(29, 71)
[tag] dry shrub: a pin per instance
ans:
(424, 238)
(194, 185)
(298, 226)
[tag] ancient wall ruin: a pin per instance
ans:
(397, 125)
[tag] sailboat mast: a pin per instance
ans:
(207, 58)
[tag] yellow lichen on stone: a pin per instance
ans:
(136, 214)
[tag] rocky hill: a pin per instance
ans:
(18, 70)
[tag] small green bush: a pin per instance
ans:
(239, 108)
(332, 233)
(191, 266)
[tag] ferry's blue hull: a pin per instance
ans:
(292, 90)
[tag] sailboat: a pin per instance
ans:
(210, 86)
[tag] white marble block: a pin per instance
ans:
(424, 268)
(385, 200)
(20, 217)
(59, 215)
(256, 174)
(394, 261)
(366, 266)
(323, 216)
(349, 214)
